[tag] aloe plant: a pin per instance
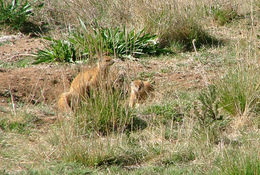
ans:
(57, 51)
(128, 43)
(118, 42)
(112, 41)
(16, 13)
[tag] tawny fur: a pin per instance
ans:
(84, 82)
(140, 90)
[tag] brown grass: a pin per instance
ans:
(165, 146)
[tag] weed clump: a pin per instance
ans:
(104, 113)
(16, 13)
(236, 94)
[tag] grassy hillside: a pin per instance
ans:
(202, 58)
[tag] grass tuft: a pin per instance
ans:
(185, 33)
(224, 14)
(239, 164)
(239, 91)
(103, 112)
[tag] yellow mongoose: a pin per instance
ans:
(139, 91)
(83, 83)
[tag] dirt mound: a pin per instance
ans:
(35, 84)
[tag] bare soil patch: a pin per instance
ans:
(14, 47)
(43, 84)
(34, 84)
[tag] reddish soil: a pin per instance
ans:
(34, 84)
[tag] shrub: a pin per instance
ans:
(16, 13)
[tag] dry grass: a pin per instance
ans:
(173, 140)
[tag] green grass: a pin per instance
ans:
(17, 14)
(165, 112)
(236, 94)
(146, 75)
(123, 42)
(183, 130)
(179, 158)
(239, 164)
(57, 51)
(103, 112)
(238, 91)
(209, 111)
(60, 168)
(22, 124)
(124, 151)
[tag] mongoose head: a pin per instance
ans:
(137, 86)
(105, 62)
